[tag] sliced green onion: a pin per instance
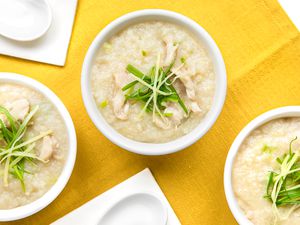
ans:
(103, 104)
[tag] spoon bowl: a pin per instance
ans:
(24, 20)
(136, 209)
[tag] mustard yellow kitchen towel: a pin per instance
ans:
(261, 48)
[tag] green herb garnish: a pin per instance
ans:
(182, 60)
(283, 187)
(144, 53)
(153, 89)
(268, 149)
(15, 150)
(168, 114)
(103, 104)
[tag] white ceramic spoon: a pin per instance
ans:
(137, 209)
(24, 20)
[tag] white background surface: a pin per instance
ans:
(91, 212)
(51, 48)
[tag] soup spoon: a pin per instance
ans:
(24, 20)
(136, 209)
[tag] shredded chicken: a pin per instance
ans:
(194, 107)
(172, 121)
(49, 145)
(188, 83)
(177, 114)
(18, 108)
(186, 86)
(120, 106)
(164, 124)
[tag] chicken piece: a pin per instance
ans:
(172, 121)
(189, 86)
(171, 51)
(186, 87)
(164, 124)
(194, 107)
(177, 114)
(18, 108)
(48, 147)
(120, 106)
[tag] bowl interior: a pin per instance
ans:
(54, 191)
(289, 111)
(213, 52)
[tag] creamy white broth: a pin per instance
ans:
(140, 45)
(252, 166)
(43, 175)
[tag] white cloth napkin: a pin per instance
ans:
(53, 46)
(292, 8)
(90, 213)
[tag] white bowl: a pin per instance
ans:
(182, 142)
(54, 191)
(288, 111)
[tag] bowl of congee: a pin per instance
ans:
(37, 146)
(262, 170)
(153, 82)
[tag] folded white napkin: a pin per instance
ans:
(53, 46)
(90, 213)
(292, 8)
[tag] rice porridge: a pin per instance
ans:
(271, 147)
(153, 82)
(33, 145)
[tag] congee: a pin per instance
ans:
(266, 173)
(153, 82)
(33, 145)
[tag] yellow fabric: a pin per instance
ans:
(261, 48)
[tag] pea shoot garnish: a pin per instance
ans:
(15, 149)
(283, 187)
(154, 89)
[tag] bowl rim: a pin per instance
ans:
(37, 205)
(281, 112)
(181, 142)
